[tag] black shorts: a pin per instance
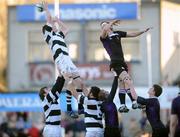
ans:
(112, 132)
(118, 66)
(177, 133)
(162, 132)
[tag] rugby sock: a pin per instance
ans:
(68, 100)
(129, 94)
(122, 96)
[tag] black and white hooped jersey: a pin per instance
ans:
(93, 113)
(55, 42)
(52, 109)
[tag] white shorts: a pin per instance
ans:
(94, 134)
(65, 64)
(52, 131)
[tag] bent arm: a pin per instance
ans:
(56, 90)
(139, 99)
(173, 124)
(57, 87)
(85, 90)
(105, 29)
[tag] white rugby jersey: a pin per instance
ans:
(93, 114)
(55, 41)
(52, 109)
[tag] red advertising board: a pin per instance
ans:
(44, 73)
(41, 73)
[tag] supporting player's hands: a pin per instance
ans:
(84, 89)
(66, 75)
(129, 82)
(114, 73)
(70, 85)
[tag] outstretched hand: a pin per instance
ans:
(148, 29)
(44, 4)
(129, 82)
(116, 22)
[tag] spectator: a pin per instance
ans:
(33, 131)
(175, 118)
(134, 128)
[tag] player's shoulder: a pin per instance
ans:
(176, 100)
(119, 32)
(61, 34)
(154, 101)
(47, 26)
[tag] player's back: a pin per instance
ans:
(153, 113)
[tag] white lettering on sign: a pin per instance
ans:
(20, 102)
(96, 13)
(103, 12)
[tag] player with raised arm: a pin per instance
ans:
(109, 110)
(111, 41)
(107, 107)
(92, 111)
(152, 109)
(54, 32)
(49, 98)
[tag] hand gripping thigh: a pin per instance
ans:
(123, 79)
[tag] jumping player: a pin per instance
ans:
(152, 109)
(111, 41)
(54, 33)
(51, 108)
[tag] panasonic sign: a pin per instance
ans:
(126, 11)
